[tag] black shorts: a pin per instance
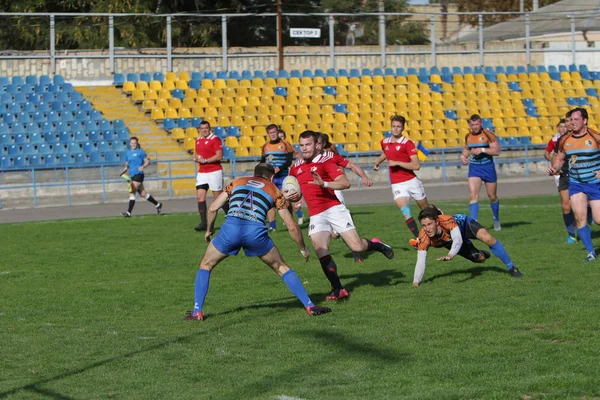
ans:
(563, 182)
(138, 178)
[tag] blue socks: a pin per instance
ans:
(299, 213)
(496, 210)
(586, 239)
(293, 283)
(474, 210)
(498, 250)
(273, 224)
(200, 289)
(570, 223)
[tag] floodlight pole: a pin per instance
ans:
(279, 37)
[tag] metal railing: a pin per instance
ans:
(170, 52)
(74, 179)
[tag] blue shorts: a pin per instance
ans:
(278, 181)
(487, 172)
(236, 234)
(592, 190)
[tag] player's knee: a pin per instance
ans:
(493, 198)
(206, 267)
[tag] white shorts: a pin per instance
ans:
(412, 188)
(213, 179)
(335, 219)
(340, 196)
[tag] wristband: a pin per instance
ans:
(483, 150)
(325, 184)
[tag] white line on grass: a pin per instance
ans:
(283, 397)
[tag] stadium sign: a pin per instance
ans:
(305, 33)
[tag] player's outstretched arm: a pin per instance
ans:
(380, 159)
(457, 242)
(294, 231)
(361, 173)
(212, 213)
(341, 182)
(420, 267)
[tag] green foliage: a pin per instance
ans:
(94, 309)
(494, 6)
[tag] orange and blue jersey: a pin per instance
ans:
(582, 155)
(279, 154)
(441, 239)
(480, 140)
(250, 198)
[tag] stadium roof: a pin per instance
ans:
(552, 19)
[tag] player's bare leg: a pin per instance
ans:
(142, 191)
(568, 216)
(358, 244)
(133, 187)
(271, 219)
(474, 188)
(274, 260)
(403, 204)
(211, 258)
(579, 205)
(498, 250)
(201, 198)
(491, 189)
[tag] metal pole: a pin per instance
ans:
(432, 39)
(103, 178)
(169, 48)
(573, 53)
(111, 43)
(527, 39)
(279, 37)
(522, 6)
(536, 5)
(52, 45)
(33, 179)
(224, 41)
(480, 19)
(382, 33)
(331, 42)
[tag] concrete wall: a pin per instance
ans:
(98, 69)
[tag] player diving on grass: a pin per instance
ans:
(250, 198)
(455, 233)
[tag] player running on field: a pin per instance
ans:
(318, 176)
(403, 161)
(455, 233)
(250, 198)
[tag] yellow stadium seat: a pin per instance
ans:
(185, 113)
(191, 133)
(241, 152)
(178, 134)
(362, 146)
(231, 141)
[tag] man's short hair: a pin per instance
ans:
(430, 212)
(568, 114)
(272, 126)
(475, 117)
(309, 134)
(583, 111)
(398, 118)
(281, 131)
(561, 121)
(205, 123)
(264, 170)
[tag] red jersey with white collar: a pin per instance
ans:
(400, 150)
(339, 160)
(317, 198)
(207, 147)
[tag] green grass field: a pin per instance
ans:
(93, 309)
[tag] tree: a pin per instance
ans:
(494, 6)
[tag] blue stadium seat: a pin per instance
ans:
(35, 160)
(591, 92)
(307, 73)
(341, 108)
(366, 72)
(79, 158)
(123, 134)
(234, 75)
(118, 80)
(9, 118)
(4, 81)
(343, 72)
(50, 160)
(58, 80)
(57, 105)
(21, 161)
(64, 159)
(5, 127)
(411, 71)
(271, 74)
(168, 124)
(531, 69)
(332, 72)
(528, 103)
(21, 138)
(18, 128)
(18, 80)
(209, 75)
(40, 89)
(67, 116)
(109, 134)
(563, 68)
(330, 90)
(572, 101)
(525, 140)
(514, 86)
(194, 84)
(74, 147)
(104, 146)
(233, 131)
(582, 101)
(295, 74)
(281, 91)
(513, 141)
(319, 73)
(88, 147)
(195, 122)
(354, 73)
(95, 115)
(435, 87)
(13, 149)
(80, 136)
(67, 87)
(111, 157)
(145, 77)
(104, 124)
(467, 70)
(6, 162)
(521, 69)
(85, 106)
(220, 131)
(131, 77)
(5, 139)
(36, 137)
(14, 108)
(118, 146)
(45, 149)
(159, 76)
(389, 72)
(183, 123)
(178, 94)
(532, 112)
(94, 135)
(50, 137)
(29, 107)
(76, 96)
(478, 70)
(96, 157)
(451, 114)
(31, 79)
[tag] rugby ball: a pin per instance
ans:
(289, 186)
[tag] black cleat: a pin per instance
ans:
(515, 272)
(387, 250)
(486, 254)
(200, 228)
(357, 257)
(317, 310)
(158, 208)
(126, 214)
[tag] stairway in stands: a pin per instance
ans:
(158, 145)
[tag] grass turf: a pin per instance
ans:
(94, 309)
